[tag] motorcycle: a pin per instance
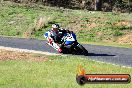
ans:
(70, 44)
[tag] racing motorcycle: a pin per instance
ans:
(70, 44)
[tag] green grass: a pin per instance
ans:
(108, 44)
(16, 19)
(58, 72)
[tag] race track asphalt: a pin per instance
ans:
(114, 55)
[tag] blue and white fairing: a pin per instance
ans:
(46, 35)
(69, 38)
(53, 44)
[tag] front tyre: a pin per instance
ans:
(82, 50)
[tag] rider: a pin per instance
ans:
(57, 33)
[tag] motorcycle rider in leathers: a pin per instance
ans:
(56, 33)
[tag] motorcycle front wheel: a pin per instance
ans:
(82, 50)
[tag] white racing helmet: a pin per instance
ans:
(55, 26)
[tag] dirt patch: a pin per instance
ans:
(11, 55)
(123, 23)
(39, 23)
(75, 25)
(92, 25)
(126, 39)
(100, 19)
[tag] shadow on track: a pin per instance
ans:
(92, 54)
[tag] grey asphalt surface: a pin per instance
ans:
(114, 55)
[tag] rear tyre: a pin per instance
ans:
(82, 50)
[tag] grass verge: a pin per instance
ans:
(108, 44)
(56, 72)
